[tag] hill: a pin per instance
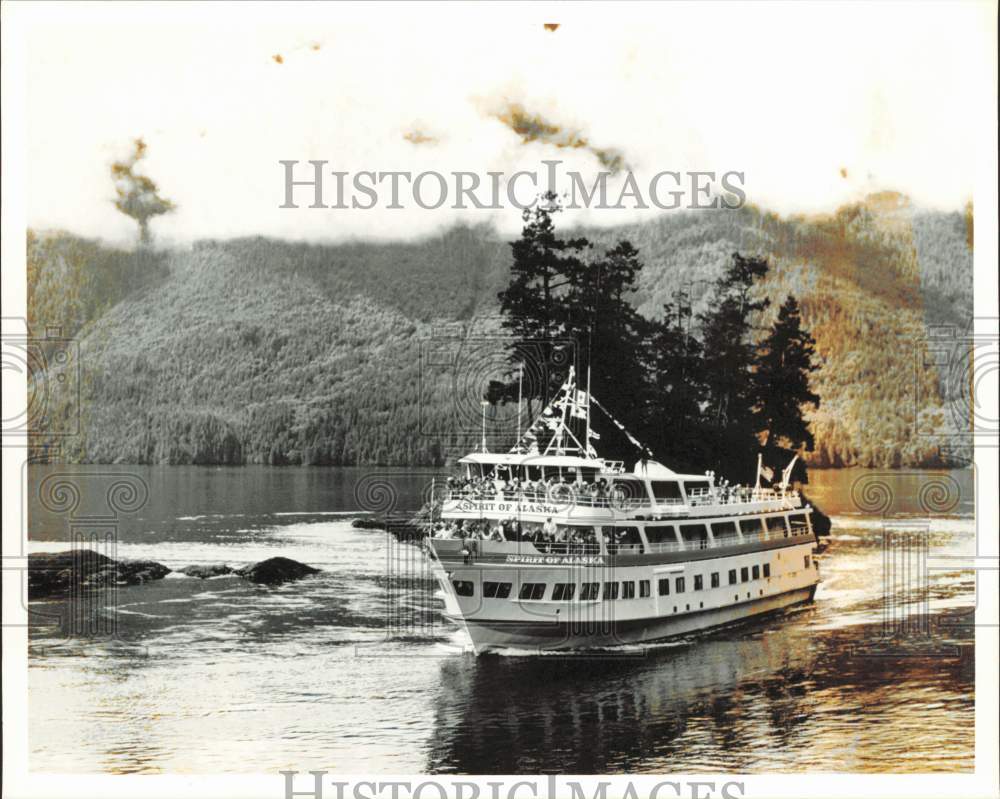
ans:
(262, 351)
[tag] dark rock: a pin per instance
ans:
(368, 524)
(54, 573)
(276, 570)
(132, 572)
(206, 571)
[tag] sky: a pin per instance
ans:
(817, 105)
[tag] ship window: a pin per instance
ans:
(805, 561)
(643, 588)
(724, 529)
(664, 586)
(589, 590)
(628, 589)
(696, 487)
(715, 579)
(732, 576)
(751, 526)
(776, 524)
(695, 534)
(563, 591)
(767, 569)
(628, 494)
(756, 572)
(699, 582)
(498, 590)
(463, 587)
(611, 590)
(532, 591)
(679, 585)
(659, 533)
(666, 491)
(627, 535)
(797, 521)
(744, 574)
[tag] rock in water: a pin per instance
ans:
(276, 570)
(206, 571)
(53, 573)
(368, 524)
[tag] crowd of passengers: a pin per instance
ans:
(545, 537)
(537, 490)
(554, 487)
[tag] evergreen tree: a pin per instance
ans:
(533, 304)
(784, 363)
(612, 342)
(728, 368)
(675, 423)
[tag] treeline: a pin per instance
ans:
(281, 352)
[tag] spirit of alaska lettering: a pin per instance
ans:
(558, 560)
(475, 506)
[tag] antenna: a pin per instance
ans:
(484, 403)
(520, 380)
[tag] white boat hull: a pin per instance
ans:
(548, 636)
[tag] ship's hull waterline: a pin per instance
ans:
(583, 636)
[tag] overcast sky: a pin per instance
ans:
(817, 105)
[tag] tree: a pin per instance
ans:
(675, 423)
(781, 381)
(728, 366)
(138, 195)
(612, 337)
(544, 267)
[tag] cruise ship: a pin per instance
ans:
(559, 549)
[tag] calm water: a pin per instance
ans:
(355, 670)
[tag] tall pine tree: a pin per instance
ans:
(785, 360)
(674, 424)
(533, 305)
(728, 367)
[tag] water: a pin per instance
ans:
(353, 671)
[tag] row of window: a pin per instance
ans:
(625, 589)
(751, 526)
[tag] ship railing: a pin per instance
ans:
(562, 497)
(740, 495)
(563, 547)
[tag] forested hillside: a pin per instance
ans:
(260, 351)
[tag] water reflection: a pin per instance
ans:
(768, 698)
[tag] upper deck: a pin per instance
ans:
(629, 498)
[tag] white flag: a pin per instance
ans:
(579, 413)
(767, 472)
(595, 435)
(581, 397)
